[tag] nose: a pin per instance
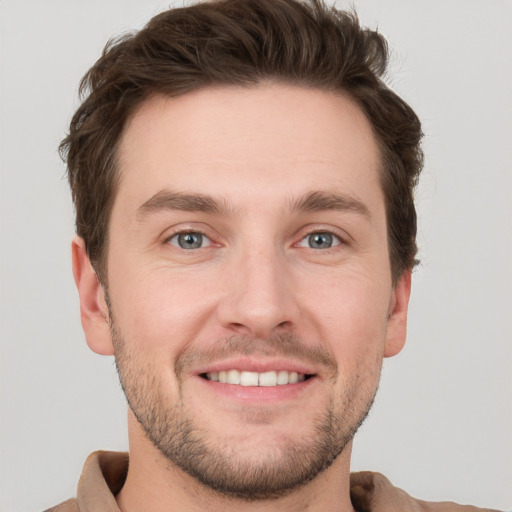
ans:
(259, 297)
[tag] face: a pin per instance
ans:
(249, 286)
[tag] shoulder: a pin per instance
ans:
(373, 492)
(67, 506)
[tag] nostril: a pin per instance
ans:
(239, 328)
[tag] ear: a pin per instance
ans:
(93, 307)
(397, 320)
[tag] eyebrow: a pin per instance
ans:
(323, 201)
(312, 202)
(169, 200)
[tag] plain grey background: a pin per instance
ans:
(442, 424)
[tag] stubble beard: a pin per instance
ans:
(223, 467)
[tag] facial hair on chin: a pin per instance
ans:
(220, 465)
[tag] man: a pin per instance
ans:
(245, 238)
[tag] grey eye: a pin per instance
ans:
(190, 240)
(320, 241)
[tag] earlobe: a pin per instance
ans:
(93, 307)
(397, 321)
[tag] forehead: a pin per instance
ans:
(245, 142)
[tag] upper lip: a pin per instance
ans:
(251, 364)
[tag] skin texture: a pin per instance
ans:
(257, 172)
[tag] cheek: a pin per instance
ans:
(158, 309)
(352, 318)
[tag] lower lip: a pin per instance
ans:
(261, 394)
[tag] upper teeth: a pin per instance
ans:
(256, 379)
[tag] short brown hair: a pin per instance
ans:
(240, 42)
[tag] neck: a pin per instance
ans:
(154, 484)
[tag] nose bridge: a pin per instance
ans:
(259, 299)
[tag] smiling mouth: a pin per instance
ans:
(265, 379)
